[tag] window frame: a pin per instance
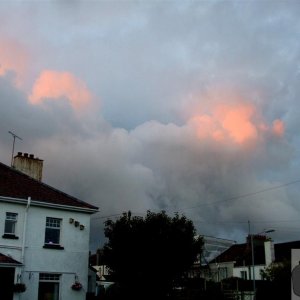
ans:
(52, 224)
(244, 274)
(48, 278)
(11, 220)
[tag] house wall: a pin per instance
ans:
(248, 269)
(220, 271)
(70, 262)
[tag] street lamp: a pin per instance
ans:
(252, 253)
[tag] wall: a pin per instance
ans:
(257, 269)
(13, 247)
(71, 261)
(220, 271)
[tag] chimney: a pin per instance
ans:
(29, 165)
(269, 252)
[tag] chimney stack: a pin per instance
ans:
(29, 165)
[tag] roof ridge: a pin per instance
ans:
(47, 186)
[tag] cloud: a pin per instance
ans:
(227, 116)
(54, 85)
(13, 58)
(167, 136)
(278, 127)
(155, 165)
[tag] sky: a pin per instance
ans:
(183, 106)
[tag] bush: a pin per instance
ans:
(19, 287)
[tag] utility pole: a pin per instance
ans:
(252, 259)
(13, 147)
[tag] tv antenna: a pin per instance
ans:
(13, 147)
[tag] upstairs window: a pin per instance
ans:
(10, 223)
(52, 232)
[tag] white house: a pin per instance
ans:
(237, 261)
(44, 236)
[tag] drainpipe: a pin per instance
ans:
(24, 231)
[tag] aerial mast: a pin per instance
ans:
(13, 147)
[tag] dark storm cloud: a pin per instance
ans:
(151, 66)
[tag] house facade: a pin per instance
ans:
(237, 261)
(44, 237)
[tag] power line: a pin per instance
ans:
(116, 215)
(221, 201)
(244, 195)
(244, 222)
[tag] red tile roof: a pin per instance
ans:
(8, 260)
(241, 255)
(15, 184)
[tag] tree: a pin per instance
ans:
(278, 277)
(146, 256)
(277, 272)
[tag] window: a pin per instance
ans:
(49, 286)
(52, 233)
(10, 225)
(244, 275)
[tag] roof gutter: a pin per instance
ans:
(50, 205)
(9, 265)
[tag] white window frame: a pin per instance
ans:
(51, 278)
(13, 219)
(53, 224)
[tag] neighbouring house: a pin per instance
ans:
(212, 247)
(237, 260)
(103, 276)
(44, 236)
(283, 251)
(92, 283)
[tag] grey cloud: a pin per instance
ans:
(152, 61)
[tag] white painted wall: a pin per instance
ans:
(269, 252)
(68, 262)
(9, 246)
(257, 269)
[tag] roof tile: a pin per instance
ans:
(15, 184)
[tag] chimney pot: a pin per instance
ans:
(29, 165)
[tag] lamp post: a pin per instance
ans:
(252, 255)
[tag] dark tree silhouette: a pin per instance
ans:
(147, 256)
(277, 281)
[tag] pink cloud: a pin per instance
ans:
(13, 57)
(229, 117)
(278, 127)
(56, 85)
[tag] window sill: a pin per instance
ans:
(10, 236)
(53, 246)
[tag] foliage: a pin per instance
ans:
(76, 286)
(277, 271)
(19, 287)
(150, 254)
(278, 277)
